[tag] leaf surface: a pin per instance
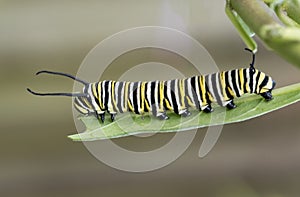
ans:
(248, 106)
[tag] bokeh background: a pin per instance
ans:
(259, 157)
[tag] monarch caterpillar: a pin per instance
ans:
(176, 95)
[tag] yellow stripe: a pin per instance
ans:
(142, 95)
(80, 109)
(99, 96)
(126, 96)
(168, 104)
(130, 106)
(203, 90)
(241, 77)
(94, 90)
(87, 103)
(113, 95)
(260, 80)
(190, 101)
(181, 90)
(161, 92)
(223, 84)
(147, 105)
(231, 92)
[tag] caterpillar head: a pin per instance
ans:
(266, 87)
(264, 83)
(83, 101)
(86, 103)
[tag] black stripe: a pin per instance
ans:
(229, 95)
(245, 80)
(173, 97)
(77, 103)
(194, 93)
(257, 80)
(251, 80)
(95, 96)
(264, 83)
(83, 103)
(186, 92)
(146, 100)
(135, 97)
(215, 88)
(120, 96)
(106, 83)
(233, 77)
(152, 102)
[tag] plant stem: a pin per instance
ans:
(284, 40)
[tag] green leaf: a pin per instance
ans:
(248, 106)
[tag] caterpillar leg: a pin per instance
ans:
(208, 109)
(185, 113)
(101, 117)
(162, 116)
(231, 105)
(113, 116)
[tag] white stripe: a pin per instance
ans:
(197, 78)
(237, 81)
(90, 92)
(176, 91)
(169, 90)
(103, 93)
(230, 82)
(156, 91)
(131, 94)
(116, 93)
(148, 94)
(83, 106)
(122, 99)
(219, 90)
(109, 104)
(210, 87)
(138, 96)
(190, 91)
(254, 81)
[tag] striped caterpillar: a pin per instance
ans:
(176, 95)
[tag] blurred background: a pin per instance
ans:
(259, 157)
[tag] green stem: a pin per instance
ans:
(241, 27)
(284, 40)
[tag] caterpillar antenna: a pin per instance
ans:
(56, 94)
(63, 74)
(253, 57)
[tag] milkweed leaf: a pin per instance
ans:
(249, 106)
